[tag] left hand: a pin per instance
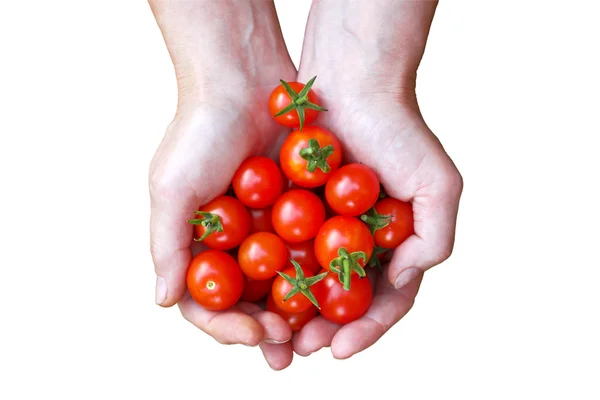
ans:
(374, 112)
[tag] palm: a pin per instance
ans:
(388, 134)
(199, 155)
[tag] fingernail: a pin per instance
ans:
(273, 341)
(406, 276)
(161, 290)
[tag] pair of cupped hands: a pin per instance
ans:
(220, 124)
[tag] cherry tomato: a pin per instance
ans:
(297, 215)
(255, 290)
(309, 157)
(352, 190)
(260, 220)
(223, 223)
(295, 320)
(350, 235)
(343, 306)
(280, 99)
(393, 221)
(262, 254)
(304, 254)
(215, 280)
(258, 182)
(303, 287)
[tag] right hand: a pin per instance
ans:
(202, 148)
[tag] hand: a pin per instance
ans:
(373, 110)
(221, 120)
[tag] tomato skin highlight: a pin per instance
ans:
(261, 255)
(352, 190)
(255, 290)
(343, 306)
(234, 218)
(258, 182)
(214, 280)
(347, 232)
(279, 99)
(298, 302)
(304, 254)
(295, 320)
(260, 220)
(295, 167)
(297, 215)
(401, 225)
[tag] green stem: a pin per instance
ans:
(299, 101)
(301, 284)
(375, 220)
(316, 156)
(346, 263)
(346, 271)
(211, 223)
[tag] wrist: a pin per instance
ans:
(225, 44)
(370, 47)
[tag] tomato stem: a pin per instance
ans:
(210, 222)
(374, 260)
(376, 221)
(301, 284)
(317, 156)
(347, 262)
(299, 101)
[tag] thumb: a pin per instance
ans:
(170, 239)
(435, 207)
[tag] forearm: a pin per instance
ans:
(217, 42)
(381, 39)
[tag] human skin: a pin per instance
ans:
(226, 55)
(366, 70)
(365, 55)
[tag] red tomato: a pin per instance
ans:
(352, 190)
(392, 221)
(297, 283)
(224, 223)
(300, 113)
(215, 280)
(343, 306)
(309, 157)
(262, 254)
(349, 234)
(295, 320)
(304, 254)
(258, 182)
(255, 290)
(260, 220)
(297, 215)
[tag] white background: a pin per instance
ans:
(510, 87)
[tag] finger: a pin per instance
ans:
(170, 238)
(278, 356)
(227, 327)
(276, 330)
(315, 335)
(435, 207)
(388, 307)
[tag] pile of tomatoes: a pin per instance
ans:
(299, 234)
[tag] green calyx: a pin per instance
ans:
(374, 260)
(299, 101)
(210, 222)
(375, 221)
(382, 193)
(301, 284)
(345, 263)
(316, 156)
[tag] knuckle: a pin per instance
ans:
(454, 181)
(443, 253)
